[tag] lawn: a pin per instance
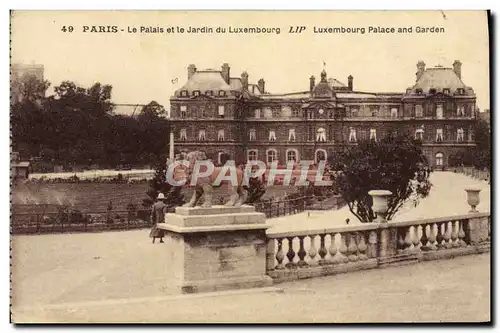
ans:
(91, 197)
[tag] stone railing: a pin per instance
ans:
(295, 255)
(474, 173)
(302, 254)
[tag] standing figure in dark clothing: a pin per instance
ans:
(158, 216)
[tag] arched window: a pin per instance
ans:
(292, 155)
(320, 155)
(271, 155)
(439, 159)
(419, 134)
(252, 155)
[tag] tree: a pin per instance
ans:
(395, 163)
(159, 184)
(482, 152)
(29, 89)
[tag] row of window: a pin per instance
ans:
(221, 93)
(287, 112)
(183, 112)
(292, 154)
(446, 91)
(321, 135)
(319, 155)
(419, 111)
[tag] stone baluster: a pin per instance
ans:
(408, 239)
(291, 253)
(280, 255)
(312, 249)
(447, 235)
(333, 250)
(461, 234)
(454, 234)
(302, 252)
(439, 237)
(401, 240)
(362, 247)
(352, 248)
(415, 239)
(432, 237)
(372, 244)
(322, 250)
(343, 248)
(425, 240)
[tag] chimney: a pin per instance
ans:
(420, 69)
(244, 80)
(457, 68)
(311, 83)
(262, 84)
(349, 82)
(225, 72)
(191, 70)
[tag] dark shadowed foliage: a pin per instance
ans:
(395, 163)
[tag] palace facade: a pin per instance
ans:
(230, 118)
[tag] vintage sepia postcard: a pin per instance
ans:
(250, 166)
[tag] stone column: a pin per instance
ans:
(171, 147)
(387, 244)
(216, 248)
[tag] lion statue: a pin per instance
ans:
(204, 186)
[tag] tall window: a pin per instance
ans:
(439, 111)
(291, 155)
(201, 135)
(271, 155)
(183, 134)
(183, 111)
(272, 135)
(439, 159)
(291, 134)
(320, 155)
(373, 134)
(286, 111)
(460, 111)
(257, 113)
(220, 135)
(202, 112)
(419, 111)
(354, 112)
(439, 135)
(375, 111)
(394, 112)
(221, 111)
(321, 135)
(419, 134)
(352, 134)
(252, 155)
(268, 113)
(252, 135)
(460, 135)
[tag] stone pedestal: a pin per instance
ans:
(217, 248)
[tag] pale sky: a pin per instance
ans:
(141, 67)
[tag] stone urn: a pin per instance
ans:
(380, 206)
(473, 198)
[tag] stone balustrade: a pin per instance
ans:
(294, 255)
